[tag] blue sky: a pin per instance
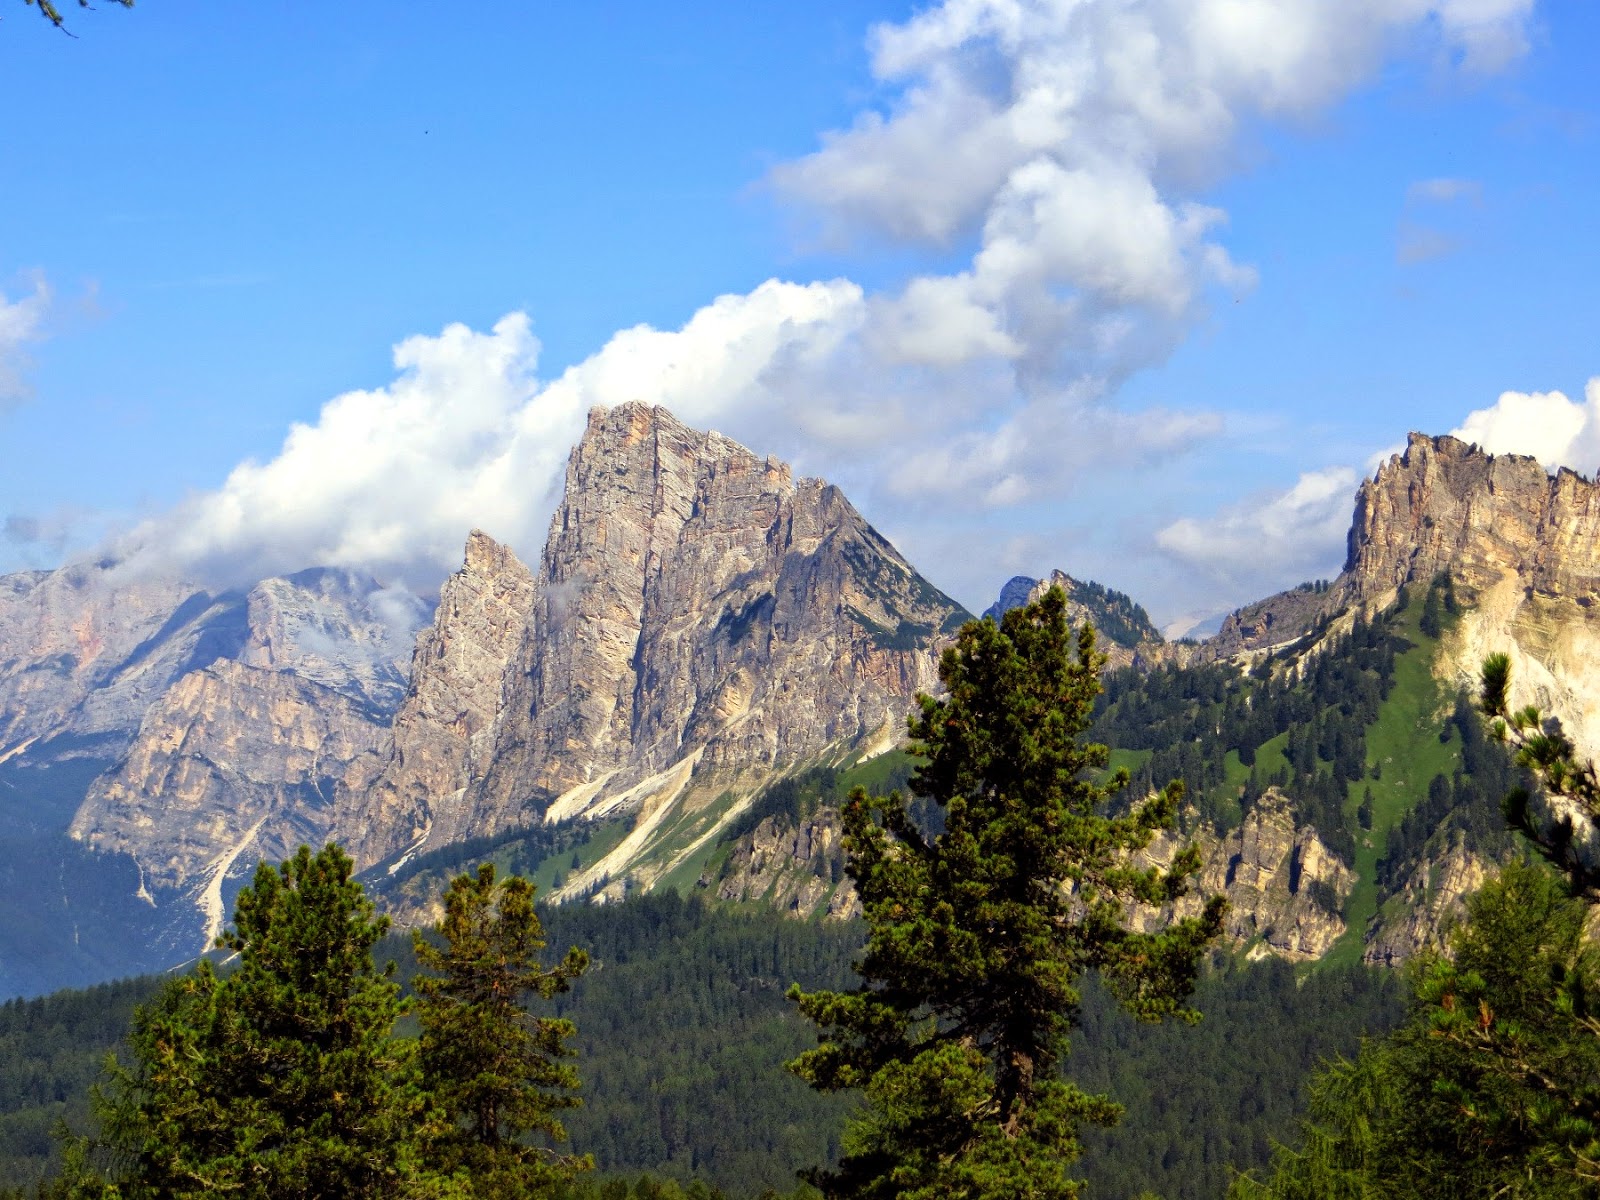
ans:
(1133, 289)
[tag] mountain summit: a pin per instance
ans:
(698, 614)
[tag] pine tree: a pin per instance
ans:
(494, 1069)
(978, 936)
(280, 1078)
(1491, 1088)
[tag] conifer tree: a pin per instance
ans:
(280, 1078)
(1492, 1088)
(978, 937)
(494, 1069)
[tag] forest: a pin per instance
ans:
(653, 1055)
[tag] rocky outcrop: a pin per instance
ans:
(1126, 633)
(1285, 888)
(231, 759)
(84, 652)
(1523, 550)
(1418, 917)
(1270, 624)
(241, 757)
(443, 733)
(695, 605)
(1446, 506)
(796, 868)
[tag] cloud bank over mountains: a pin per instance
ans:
(1055, 150)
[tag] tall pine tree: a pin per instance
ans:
(281, 1078)
(494, 1069)
(978, 936)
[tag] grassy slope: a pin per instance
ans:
(1404, 744)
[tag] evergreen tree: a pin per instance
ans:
(280, 1078)
(978, 935)
(1542, 748)
(1492, 1088)
(495, 1070)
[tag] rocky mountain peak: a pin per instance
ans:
(1124, 628)
(1445, 505)
(696, 609)
(443, 733)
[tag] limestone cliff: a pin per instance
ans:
(697, 612)
(443, 734)
(797, 868)
(239, 757)
(1431, 899)
(232, 764)
(84, 652)
(1522, 547)
(1285, 888)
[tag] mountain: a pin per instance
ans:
(1124, 627)
(1344, 794)
(705, 656)
(1521, 547)
(160, 738)
(700, 621)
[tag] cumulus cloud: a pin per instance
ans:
(1058, 150)
(21, 322)
(1273, 536)
(1547, 425)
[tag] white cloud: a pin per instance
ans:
(1059, 149)
(1419, 244)
(1557, 431)
(21, 322)
(1271, 538)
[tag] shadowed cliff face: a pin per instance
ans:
(694, 602)
(239, 756)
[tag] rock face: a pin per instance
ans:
(83, 653)
(795, 868)
(1419, 917)
(443, 734)
(697, 611)
(1523, 550)
(242, 756)
(1285, 888)
(1126, 632)
(1448, 506)
(1270, 623)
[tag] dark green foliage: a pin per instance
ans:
(50, 12)
(1191, 718)
(280, 1079)
(1115, 615)
(683, 1028)
(1543, 750)
(51, 1050)
(1439, 604)
(975, 943)
(1464, 808)
(1491, 1088)
(494, 1070)
(1205, 1101)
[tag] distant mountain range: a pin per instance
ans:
(672, 696)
